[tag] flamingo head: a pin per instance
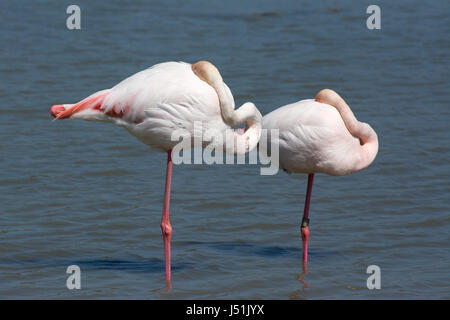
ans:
(57, 109)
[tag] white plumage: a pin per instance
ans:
(320, 135)
(167, 98)
(155, 102)
(313, 138)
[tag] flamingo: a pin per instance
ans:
(154, 103)
(320, 135)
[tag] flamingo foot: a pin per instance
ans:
(57, 109)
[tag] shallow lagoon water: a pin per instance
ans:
(90, 194)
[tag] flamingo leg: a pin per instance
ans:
(305, 220)
(166, 228)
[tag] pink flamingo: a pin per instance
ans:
(320, 135)
(155, 102)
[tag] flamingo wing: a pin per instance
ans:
(166, 91)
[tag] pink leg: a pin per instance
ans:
(165, 223)
(305, 221)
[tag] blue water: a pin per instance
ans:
(90, 194)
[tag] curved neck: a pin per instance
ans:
(245, 140)
(364, 132)
(247, 113)
(357, 129)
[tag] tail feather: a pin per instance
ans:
(93, 102)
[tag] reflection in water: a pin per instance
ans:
(304, 272)
(168, 286)
(166, 290)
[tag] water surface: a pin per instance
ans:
(73, 192)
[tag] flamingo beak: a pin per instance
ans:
(241, 131)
